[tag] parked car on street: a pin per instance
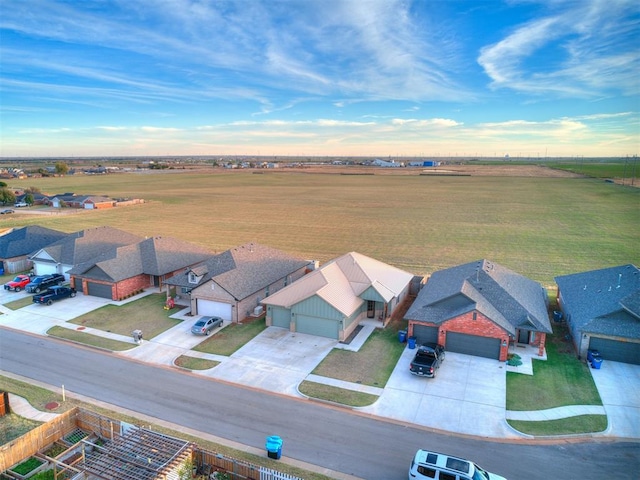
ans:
(427, 360)
(205, 325)
(42, 282)
(18, 283)
(428, 464)
(21, 204)
(6, 211)
(53, 294)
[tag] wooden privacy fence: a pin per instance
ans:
(208, 462)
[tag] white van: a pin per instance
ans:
(433, 465)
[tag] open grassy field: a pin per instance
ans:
(539, 227)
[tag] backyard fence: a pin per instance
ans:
(208, 462)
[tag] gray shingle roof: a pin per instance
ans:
(152, 256)
(605, 301)
(28, 240)
(86, 245)
(511, 300)
(243, 270)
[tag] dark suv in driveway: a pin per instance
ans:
(42, 282)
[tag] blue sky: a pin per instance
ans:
(429, 78)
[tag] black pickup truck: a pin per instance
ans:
(427, 360)
(52, 294)
(42, 282)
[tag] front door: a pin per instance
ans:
(371, 309)
(523, 337)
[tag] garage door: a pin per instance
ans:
(616, 351)
(321, 327)
(280, 317)
(425, 334)
(214, 309)
(45, 268)
(473, 345)
(99, 290)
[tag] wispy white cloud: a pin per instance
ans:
(597, 53)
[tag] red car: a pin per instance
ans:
(17, 283)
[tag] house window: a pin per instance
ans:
(193, 278)
(185, 290)
(475, 315)
(266, 292)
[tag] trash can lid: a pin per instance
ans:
(274, 441)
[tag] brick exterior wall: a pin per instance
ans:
(131, 285)
(481, 326)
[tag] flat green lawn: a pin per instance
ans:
(193, 363)
(560, 380)
(18, 304)
(146, 314)
(538, 227)
(563, 426)
(372, 365)
(231, 337)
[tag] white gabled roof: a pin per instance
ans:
(341, 282)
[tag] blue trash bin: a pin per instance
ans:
(412, 342)
(596, 363)
(274, 447)
(402, 336)
(591, 354)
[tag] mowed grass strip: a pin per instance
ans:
(231, 338)
(193, 363)
(342, 396)
(89, 339)
(563, 426)
(538, 227)
(146, 314)
(18, 304)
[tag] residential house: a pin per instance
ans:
(18, 244)
(602, 310)
(120, 271)
(79, 247)
(89, 202)
(479, 308)
(232, 284)
(332, 300)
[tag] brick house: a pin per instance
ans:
(78, 248)
(119, 272)
(480, 308)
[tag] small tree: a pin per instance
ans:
(3, 184)
(7, 196)
(28, 198)
(62, 168)
(32, 190)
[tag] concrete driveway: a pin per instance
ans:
(619, 388)
(467, 396)
(277, 360)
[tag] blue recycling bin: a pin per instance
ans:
(274, 447)
(402, 336)
(591, 354)
(412, 342)
(596, 363)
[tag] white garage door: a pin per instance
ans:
(44, 268)
(214, 309)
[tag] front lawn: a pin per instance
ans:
(373, 364)
(336, 394)
(146, 314)
(562, 426)
(231, 338)
(18, 304)
(560, 380)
